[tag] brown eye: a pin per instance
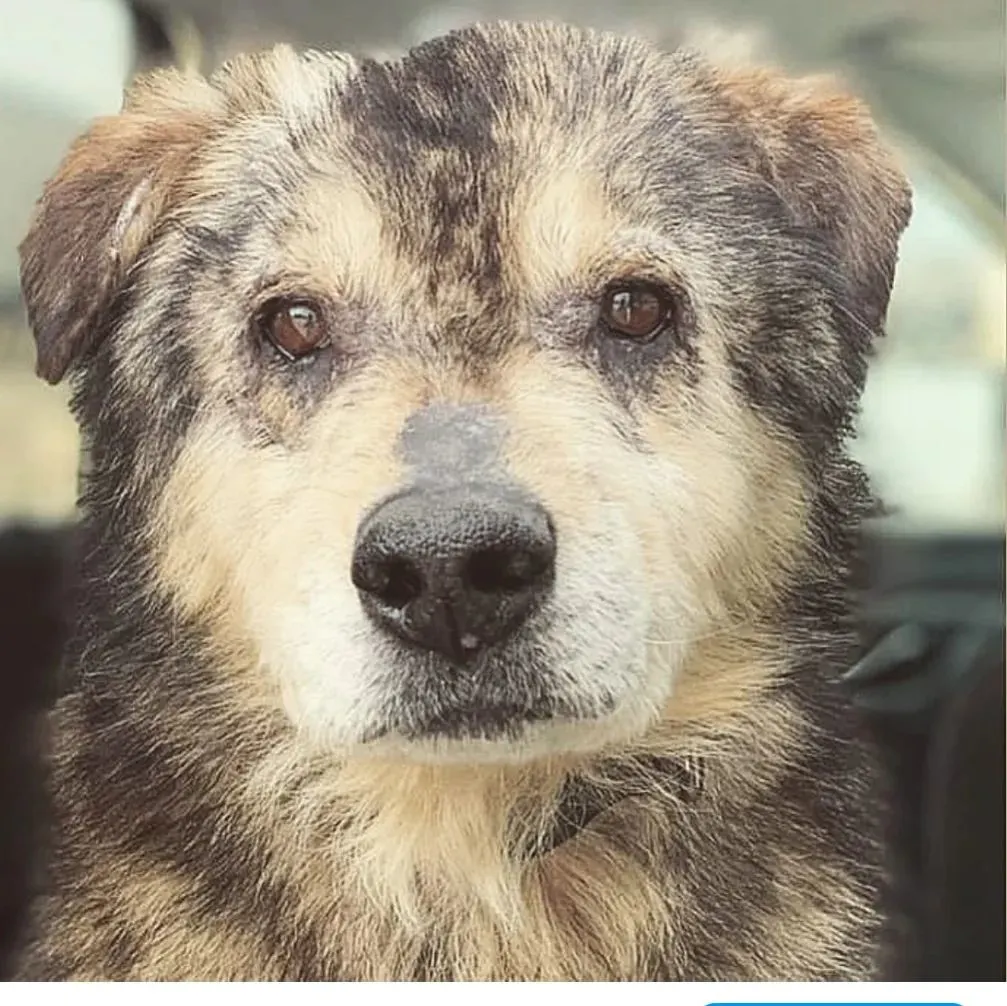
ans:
(636, 311)
(295, 328)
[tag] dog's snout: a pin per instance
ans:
(454, 570)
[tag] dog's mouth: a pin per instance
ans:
(486, 718)
(497, 721)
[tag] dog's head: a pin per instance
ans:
(467, 393)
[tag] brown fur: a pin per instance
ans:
(212, 823)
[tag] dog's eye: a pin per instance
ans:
(295, 328)
(636, 311)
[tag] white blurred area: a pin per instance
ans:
(932, 432)
(62, 62)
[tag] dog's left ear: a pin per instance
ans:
(821, 151)
(99, 210)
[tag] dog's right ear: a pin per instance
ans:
(99, 210)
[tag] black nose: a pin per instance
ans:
(454, 570)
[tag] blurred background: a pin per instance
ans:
(932, 432)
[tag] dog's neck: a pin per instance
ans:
(538, 856)
(583, 800)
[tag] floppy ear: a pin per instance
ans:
(98, 211)
(823, 155)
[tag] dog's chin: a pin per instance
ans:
(505, 734)
(508, 705)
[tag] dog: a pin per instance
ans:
(468, 529)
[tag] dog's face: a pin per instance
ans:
(470, 392)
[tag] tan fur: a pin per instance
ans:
(562, 220)
(341, 246)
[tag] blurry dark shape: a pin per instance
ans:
(931, 685)
(964, 834)
(31, 637)
(153, 40)
(165, 36)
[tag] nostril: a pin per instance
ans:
(393, 581)
(508, 570)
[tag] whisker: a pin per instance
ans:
(725, 630)
(857, 321)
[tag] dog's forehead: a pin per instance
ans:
(501, 155)
(476, 89)
(469, 133)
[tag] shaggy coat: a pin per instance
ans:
(657, 776)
